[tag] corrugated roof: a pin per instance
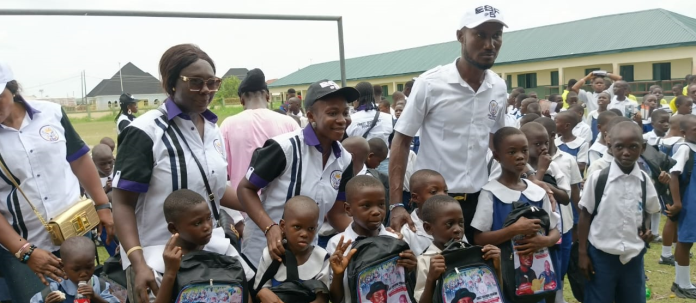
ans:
(135, 82)
(656, 28)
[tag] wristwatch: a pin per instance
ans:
(102, 206)
(391, 207)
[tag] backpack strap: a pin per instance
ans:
(599, 189)
(643, 188)
(268, 274)
(373, 124)
(290, 269)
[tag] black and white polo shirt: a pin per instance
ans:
(122, 122)
(154, 160)
(279, 165)
(38, 155)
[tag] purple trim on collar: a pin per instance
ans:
(173, 110)
(310, 138)
(30, 110)
(79, 153)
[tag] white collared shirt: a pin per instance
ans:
(148, 163)
(580, 144)
(362, 120)
(418, 240)
(621, 104)
(569, 167)
(275, 170)
(681, 155)
(38, 155)
(423, 269)
(651, 138)
(591, 116)
(584, 131)
(671, 141)
(349, 234)
(596, 152)
(315, 268)
(600, 164)
(590, 98)
(614, 229)
(483, 218)
(456, 123)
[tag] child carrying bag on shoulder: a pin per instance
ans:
(467, 275)
(292, 290)
(210, 277)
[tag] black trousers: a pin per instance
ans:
(468, 202)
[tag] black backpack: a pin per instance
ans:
(373, 270)
(467, 275)
(206, 275)
(292, 290)
(520, 286)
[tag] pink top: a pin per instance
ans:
(245, 132)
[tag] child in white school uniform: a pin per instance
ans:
(569, 143)
(607, 158)
(669, 231)
(599, 147)
(603, 101)
(582, 129)
(299, 226)
(424, 183)
(659, 120)
(613, 235)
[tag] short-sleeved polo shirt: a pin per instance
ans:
(287, 163)
(38, 156)
(590, 98)
(154, 161)
(455, 123)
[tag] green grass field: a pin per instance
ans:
(661, 276)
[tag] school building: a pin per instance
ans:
(646, 47)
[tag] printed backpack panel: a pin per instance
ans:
(383, 283)
(534, 273)
(207, 293)
(471, 285)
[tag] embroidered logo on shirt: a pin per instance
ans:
(492, 110)
(218, 146)
(48, 133)
(336, 179)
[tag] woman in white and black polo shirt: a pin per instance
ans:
(175, 147)
(128, 107)
(48, 160)
(309, 162)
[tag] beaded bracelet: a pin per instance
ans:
(19, 253)
(265, 232)
(27, 255)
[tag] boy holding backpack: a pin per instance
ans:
(442, 219)
(189, 220)
(612, 261)
(365, 204)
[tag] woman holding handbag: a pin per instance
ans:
(177, 146)
(42, 157)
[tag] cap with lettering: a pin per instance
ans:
(6, 75)
(478, 15)
(327, 88)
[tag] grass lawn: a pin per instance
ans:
(661, 276)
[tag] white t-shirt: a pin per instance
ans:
(418, 240)
(621, 105)
(315, 268)
(590, 98)
(583, 130)
(362, 120)
(456, 123)
(569, 167)
(597, 150)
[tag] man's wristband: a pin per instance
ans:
(265, 231)
(395, 205)
(102, 206)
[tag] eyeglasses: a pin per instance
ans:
(196, 84)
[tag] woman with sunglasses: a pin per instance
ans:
(126, 114)
(310, 162)
(175, 147)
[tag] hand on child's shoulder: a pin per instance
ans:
(172, 255)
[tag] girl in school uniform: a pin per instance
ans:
(126, 114)
(310, 162)
(496, 198)
(42, 153)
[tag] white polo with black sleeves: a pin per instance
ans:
(290, 164)
(38, 156)
(455, 123)
(154, 161)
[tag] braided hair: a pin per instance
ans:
(124, 101)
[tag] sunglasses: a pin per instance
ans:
(196, 84)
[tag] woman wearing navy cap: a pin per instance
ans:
(128, 108)
(44, 155)
(309, 162)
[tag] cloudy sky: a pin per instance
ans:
(49, 53)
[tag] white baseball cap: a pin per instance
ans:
(5, 75)
(480, 14)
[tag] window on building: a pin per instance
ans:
(554, 78)
(626, 72)
(508, 81)
(400, 87)
(527, 80)
(662, 71)
(145, 103)
(109, 104)
(156, 101)
(385, 91)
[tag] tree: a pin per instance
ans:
(228, 89)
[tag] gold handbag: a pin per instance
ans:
(79, 219)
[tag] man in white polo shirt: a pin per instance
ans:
(456, 106)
